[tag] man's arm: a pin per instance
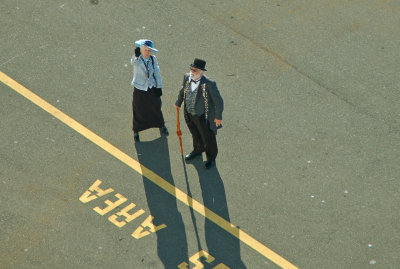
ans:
(179, 101)
(216, 98)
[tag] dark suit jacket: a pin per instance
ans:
(215, 101)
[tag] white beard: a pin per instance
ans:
(195, 77)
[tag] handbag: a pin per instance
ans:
(157, 91)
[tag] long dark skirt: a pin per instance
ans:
(146, 108)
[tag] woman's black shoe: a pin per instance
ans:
(136, 137)
(164, 130)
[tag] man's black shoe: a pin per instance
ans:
(192, 155)
(209, 164)
(164, 130)
(136, 137)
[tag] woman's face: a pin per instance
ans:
(145, 52)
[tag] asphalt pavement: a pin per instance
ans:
(308, 170)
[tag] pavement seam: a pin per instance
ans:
(282, 60)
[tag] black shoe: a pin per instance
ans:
(192, 155)
(209, 164)
(136, 137)
(164, 130)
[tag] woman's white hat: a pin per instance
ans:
(146, 43)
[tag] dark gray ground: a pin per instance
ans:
(309, 153)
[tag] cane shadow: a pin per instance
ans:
(172, 245)
(223, 246)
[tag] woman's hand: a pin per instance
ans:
(137, 52)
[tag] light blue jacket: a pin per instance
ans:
(142, 79)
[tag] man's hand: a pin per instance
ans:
(177, 108)
(217, 122)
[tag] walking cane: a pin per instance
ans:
(178, 130)
(190, 202)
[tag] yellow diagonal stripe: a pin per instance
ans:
(162, 183)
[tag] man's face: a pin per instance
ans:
(195, 73)
(145, 52)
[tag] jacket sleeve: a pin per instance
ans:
(157, 73)
(216, 98)
(134, 60)
(181, 92)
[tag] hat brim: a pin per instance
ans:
(140, 43)
(153, 49)
(192, 65)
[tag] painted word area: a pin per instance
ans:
(195, 259)
(124, 216)
(128, 214)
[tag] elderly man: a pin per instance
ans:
(202, 110)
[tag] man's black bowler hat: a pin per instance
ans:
(200, 64)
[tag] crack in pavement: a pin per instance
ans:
(391, 125)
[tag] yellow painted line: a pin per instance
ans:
(128, 160)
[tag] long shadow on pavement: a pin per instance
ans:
(222, 245)
(172, 245)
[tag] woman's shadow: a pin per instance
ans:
(172, 245)
(222, 245)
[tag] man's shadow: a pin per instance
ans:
(172, 245)
(223, 246)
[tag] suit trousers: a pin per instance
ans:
(204, 139)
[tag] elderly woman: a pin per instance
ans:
(147, 84)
